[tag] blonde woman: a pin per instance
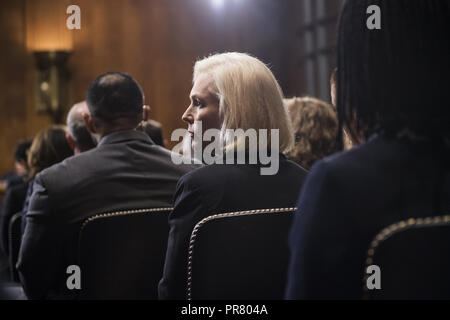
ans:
(231, 91)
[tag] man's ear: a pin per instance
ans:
(89, 122)
(70, 141)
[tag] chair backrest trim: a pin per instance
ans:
(116, 214)
(12, 262)
(394, 228)
(122, 213)
(220, 216)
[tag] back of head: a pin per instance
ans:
(20, 155)
(249, 95)
(316, 128)
(48, 148)
(395, 79)
(77, 127)
(20, 158)
(153, 129)
(115, 99)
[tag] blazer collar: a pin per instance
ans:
(122, 136)
(282, 157)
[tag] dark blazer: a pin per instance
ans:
(218, 189)
(350, 197)
(12, 203)
(126, 170)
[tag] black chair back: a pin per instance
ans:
(414, 260)
(240, 255)
(14, 240)
(122, 254)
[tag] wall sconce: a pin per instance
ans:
(51, 43)
(51, 83)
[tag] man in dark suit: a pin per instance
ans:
(125, 171)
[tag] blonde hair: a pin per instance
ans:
(249, 96)
(316, 127)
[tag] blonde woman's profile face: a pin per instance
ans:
(204, 106)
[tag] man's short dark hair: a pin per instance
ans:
(115, 95)
(20, 155)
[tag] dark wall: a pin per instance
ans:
(17, 117)
(156, 41)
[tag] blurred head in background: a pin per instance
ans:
(20, 157)
(154, 130)
(78, 136)
(49, 147)
(19, 174)
(315, 126)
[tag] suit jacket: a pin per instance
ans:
(217, 189)
(12, 204)
(126, 170)
(350, 197)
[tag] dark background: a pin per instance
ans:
(158, 41)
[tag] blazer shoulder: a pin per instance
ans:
(202, 174)
(295, 168)
(367, 156)
(173, 159)
(63, 174)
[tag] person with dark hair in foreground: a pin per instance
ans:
(392, 90)
(125, 171)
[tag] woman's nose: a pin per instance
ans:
(188, 116)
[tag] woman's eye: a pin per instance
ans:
(198, 103)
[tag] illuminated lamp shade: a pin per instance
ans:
(217, 3)
(51, 43)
